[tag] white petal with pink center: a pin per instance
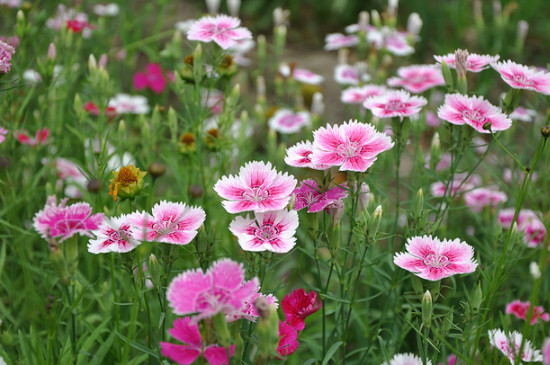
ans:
(116, 234)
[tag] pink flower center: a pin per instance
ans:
(474, 116)
(395, 105)
(350, 74)
(119, 237)
(211, 299)
(436, 261)
(257, 194)
(164, 227)
(266, 232)
(290, 120)
(349, 149)
(521, 79)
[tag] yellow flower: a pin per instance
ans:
(127, 182)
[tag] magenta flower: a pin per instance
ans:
(534, 231)
(285, 121)
(353, 146)
(249, 312)
(406, 359)
(224, 30)
(520, 310)
(478, 198)
(40, 138)
(153, 78)
(186, 331)
(308, 195)
(523, 114)
(522, 77)
(270, 231)
(288, 339)
(546, 352)
(6, 52)
(432, 259)
(474, 111)
(3, 132)
(417, 78)
(115, 234)
(349, 75)
(65, 221)
(221, 289)
(306, 76)
(359, 94)
(396, 43)
(298, 305)
(510, 343)
(171, 223)
(398, 103)
(299, 155)
(258, 187)
(337, 40)
(474, 62)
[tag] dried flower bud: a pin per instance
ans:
(461, 61)
(94, 186)
(196, 191)
(213, 6)
(156, 169)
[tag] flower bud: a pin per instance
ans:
(545, 131)
(102, 61)
(447, 323)
(523, 28)
(234, 6)
(419, 203)
(92, 63)
(94, 186)
(213, 6)
(392, 7)
(476, 299)
(447, 75)
(196, 191)
(374, 222)
(51, 52)
(280, 17)
(461, 62)
(375, 17)
(435, 151)
(363, 201)
(427, 308)
(363, 20)
(414, 24)
(336, 211)
(156, 169)
(317, 104)
(267, 330)
(534, 270)
(154, 269)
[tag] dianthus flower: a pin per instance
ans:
(396, 43)
(288, 339)
(299, 155)
(474, 111)
(115, 234)
(153, 78)
(353, 146)
(534, 231)
(458, 185)
(478, 198)
(432, 259)
(258, 187)
(349, 75)
(406, 359)
(249, 311)
(93, 109)
(510, 343)
(546, 352)
(474, 62)
(40, 138)
(171, 223)
(523, 114)
(417, 78)
(398, 103)
(221, 289)
(129, 104)
(522, 77)
(224, 30)
(186, 331)
(3, 132)
(65, 221)
(520, 310)
(337, 40)
(6, 52)
(306, 76)
(298, 305)
(287, 122)
(309, 196)
(270, 231)
(359, 94)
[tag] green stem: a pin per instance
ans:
(507, 151)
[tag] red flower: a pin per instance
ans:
(298, 305)
(91, 108)
(77, 26)
(288, 339)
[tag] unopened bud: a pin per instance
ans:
(267, 330)
(374, 222)
(435, 151)
(343, 55)
(414, 24)
(419, 203)
(92, 63)
(102, 61)
(121, 126)
(156, 169)
(476, 299)
(534, 270)
(363, 201)
(392, 7)
(336, 212)
(154, 269)
(497, 8)
(196, 191)
(234, 6)
(213, 6)
(417, 285)
(375, 17)
(20, 16)
(447, 75)
(427, 308)
(317, 104)
(94, 186)
(51, 52)
(523, 28)
(280, 17)
(545, 131)
(363, 20)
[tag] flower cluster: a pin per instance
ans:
(6, 52)
(520, 310)
(528, 222)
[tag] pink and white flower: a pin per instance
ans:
(115, 234)
(40, 138)
(460, 183)
(287, 122)
(510, 343)
(406, 359)
(110, 9)
(129, 104)
(445, 161)
(187, 331)
(397, 44)
(474, 111)
(479, 198)
(66, 221)
(398, 103)
(171, 222)
(6, 52)
(349, 75)
(534, 231)
(522, 77)
(249, 312)
(300, 154)
(546, 352)
(417, 78)
(309, 195)
(224, 30)
(520, 310)
(221, 289)
(335, 41)
(523, 114)
(270, 231)
(353, 146)
(152, 78)
(474, 63)
(3, 132)
(432, 259)
(70, 16)
(307, 77)
(258, 187)
(516, 176)
(359, 94)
